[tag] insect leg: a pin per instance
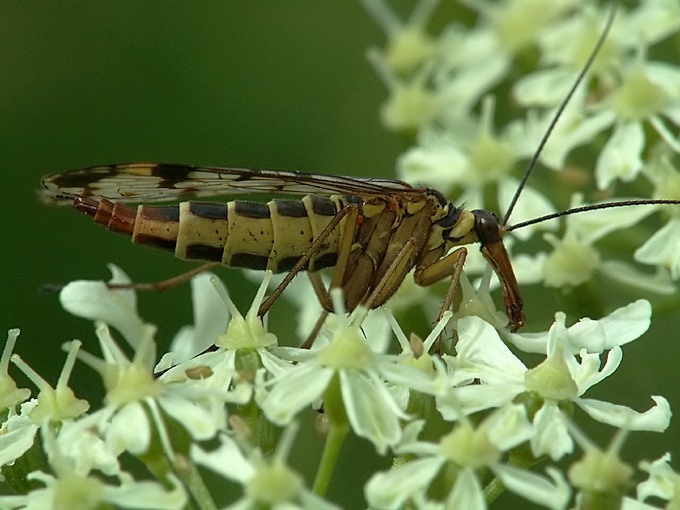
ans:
(393, 277)
(349, 210)
(450, 265)
(385, 288)
(344, 250)
(166, 284)
(320, 291)
(307, 344)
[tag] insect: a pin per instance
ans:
(372, 231)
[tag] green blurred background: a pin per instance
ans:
(239, 83)
(243, 83)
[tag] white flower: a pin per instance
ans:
(635, 92)
(474, 159)
(474, 60)
(301, 294)
(67, 488)
(574, 258)
(351, 378)
(134, 398)
(662, 248)
(266, 482)
(600, 473)
(210, 320)
(94, 300)
(10, 395)
(240, 350)
(663, 481)
(501, 377)
(134, 395)
(408, 45)
(465, 450)
(53, 406)
(649, 92)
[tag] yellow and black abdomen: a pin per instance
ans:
(253, 235)
(256, 235)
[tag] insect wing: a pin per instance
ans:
(151, 182)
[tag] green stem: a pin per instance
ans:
(493, 489)
(331, 450)
(194, 483)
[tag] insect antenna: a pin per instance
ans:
(558, 113)
(590, 207)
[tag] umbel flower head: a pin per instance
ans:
(487, 403)
(456, 419)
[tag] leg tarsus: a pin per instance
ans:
(165, 284)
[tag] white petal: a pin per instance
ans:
(591, 226)
(436, 162)
(482, 352)
(620, 157)
(391, 489)
(634, 504)
(535, 488)
(119, 277)
(663, 248)
(623, 325)
(662, 479)
(532, 204)
(16, 438)
(146, 494)
(551, 435)
(129, 429)
(370, 408)
(409, 377)
(655, 419)
(508, 426)
(274, 365)
(198, 421)
(297, 389)
(529, 342)
(86, 449)
(210, 320)
(467, 493)
(475, 397)
(589, 373)
(468, 84)
(652, 22)
(95, 301)
(227, 460)
(576, 131)
(619, 271)
(525, 265)
(311, 501)
(545, 87)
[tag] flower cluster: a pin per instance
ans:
(462, 423)
(623, 117)
(466, 414)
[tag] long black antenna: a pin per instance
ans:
(553, 122)
(591, 207)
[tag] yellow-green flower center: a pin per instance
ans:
(552, 379)
(469, 447)
(274, 484)
(347, 350)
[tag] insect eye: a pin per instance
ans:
(486, 226)
(451, 217)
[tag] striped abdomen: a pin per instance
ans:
(246, 234)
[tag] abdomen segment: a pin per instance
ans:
(253, 235)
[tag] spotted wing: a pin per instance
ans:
(151, 182)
